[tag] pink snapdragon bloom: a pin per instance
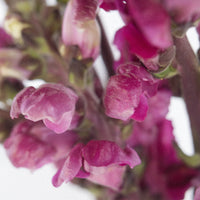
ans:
(156, 29)
(52, 103)
(99, 161)
(144, 14)
(80, 27)
(127, 92)
(31, 145)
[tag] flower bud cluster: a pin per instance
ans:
(118, 136)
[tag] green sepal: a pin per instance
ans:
(167, 72)
(191, 161)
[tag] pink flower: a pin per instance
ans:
(32, 145)
(80, 27)
(52, 103)
(197, 194)
(102, 162)
(127, 92)
(166, 175)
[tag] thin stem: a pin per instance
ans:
(106, 51)
(190, 82)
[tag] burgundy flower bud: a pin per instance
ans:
(52, 103)
(127, 92)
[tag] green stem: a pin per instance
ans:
(190, 83)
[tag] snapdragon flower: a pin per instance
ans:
(127, 92)
(52, 103)
(32, 145)
(102, 162)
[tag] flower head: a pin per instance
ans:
(31, 145)
(100, 160)
(52, 103)
(127, 92)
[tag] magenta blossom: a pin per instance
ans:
(52, 103)
(32, 145)
(144, 14)
(99, 161)
(80, 27)
(25, 150)
(127, 92)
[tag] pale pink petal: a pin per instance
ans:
(70, 168)
(110, 176)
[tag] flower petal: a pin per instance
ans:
(70, 168)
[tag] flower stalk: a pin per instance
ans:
(190, 81)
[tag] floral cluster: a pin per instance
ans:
(116, 139)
